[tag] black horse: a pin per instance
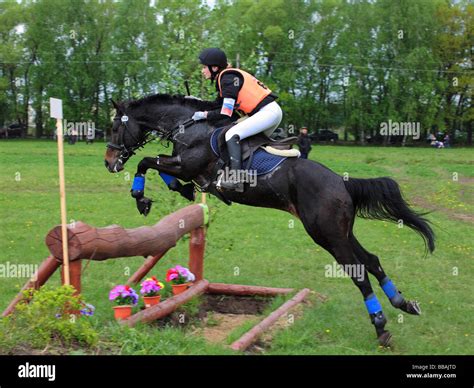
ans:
(325, 203)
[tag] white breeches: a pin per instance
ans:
(265, 120)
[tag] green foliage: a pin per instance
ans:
(191, 307)
(48, 319)
(348, 65)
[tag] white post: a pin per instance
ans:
(56, 108)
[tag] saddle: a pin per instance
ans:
(249, 145)
(268, 154)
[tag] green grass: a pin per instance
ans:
(263, 246)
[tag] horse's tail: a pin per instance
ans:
(381, 199)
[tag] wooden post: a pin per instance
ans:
(145, 268)
(197, 245)
(242, 290)
(251, 336)
(56, 111)
(75, 269)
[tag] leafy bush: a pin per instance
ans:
(49, 318)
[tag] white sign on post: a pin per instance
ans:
(56, 108)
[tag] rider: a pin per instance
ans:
(241, 91)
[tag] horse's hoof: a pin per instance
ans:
(385, 339)
(144, 205)
(411, 307)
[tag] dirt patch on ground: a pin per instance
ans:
(466, 180)
(220, 315)
(218, 326)
(227, 304)
(215, 304)
(217, 316)
(419, 201)
(228, 313)
(465, 196)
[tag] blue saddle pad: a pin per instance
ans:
(262, 161)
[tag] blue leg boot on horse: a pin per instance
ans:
(144, 204)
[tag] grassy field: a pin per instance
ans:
(264, 246)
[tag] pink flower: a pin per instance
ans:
(179, 275)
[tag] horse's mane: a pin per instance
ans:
(176, 99)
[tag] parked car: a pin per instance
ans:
(324, 135)
(12, 131)
(99, 133)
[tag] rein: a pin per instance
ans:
(178, 129)
(126, 152)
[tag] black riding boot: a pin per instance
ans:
(232, 182)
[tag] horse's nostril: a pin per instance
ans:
(106, 163)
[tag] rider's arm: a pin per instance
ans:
(231, 83)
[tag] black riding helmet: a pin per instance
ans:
(213, 57)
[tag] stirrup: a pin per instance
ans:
(229, 185)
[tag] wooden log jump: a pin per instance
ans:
(252, 335)
(240, 289)
(87, 242)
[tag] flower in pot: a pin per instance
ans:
(180, 278)
(125, 298)
(150, 290)
(87, 309)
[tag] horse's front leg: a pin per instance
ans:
(163, 164)
(166, 163)
(169, 169)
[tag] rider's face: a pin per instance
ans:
(205, 72)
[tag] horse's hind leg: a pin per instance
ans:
(329, 227)
(320, 199)
(372, 264)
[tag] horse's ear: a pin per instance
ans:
(116, 106)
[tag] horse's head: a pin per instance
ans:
(126, 138)
(166, 115)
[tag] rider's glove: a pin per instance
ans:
(193, 98)
(199, 116)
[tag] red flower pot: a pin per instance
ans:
(122, 312)
(180, 288)
(151, 300)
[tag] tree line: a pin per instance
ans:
(335, 64)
